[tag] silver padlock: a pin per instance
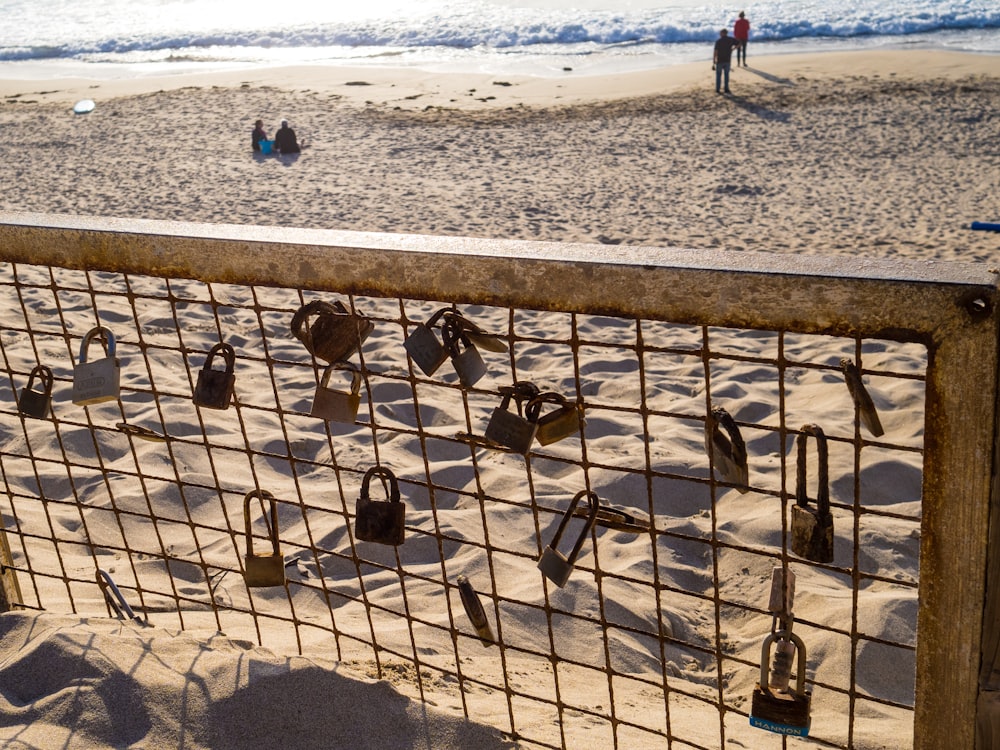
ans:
(423, 346)
(727, 452)
(37, 404)
(268, 569)
(862, 400)
(553, 564)
(508, 428)
(96, 381)
(812, 530)
(214, 389)
(337, 406)
(564, 421)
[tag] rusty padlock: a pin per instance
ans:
(564, 421)
(812, 530)
(475, 612)
(98, 380)
(508, 428)
(330, 331)
(37, 404)
(728, 452)
(776, 706)
(263, 570)
(465, 358)
(214, 388)
(862, 400)
(337, 406)
(381, 521)
(423, 346)
(554, 565)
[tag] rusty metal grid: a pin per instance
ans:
(655, 640)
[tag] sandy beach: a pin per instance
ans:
(873, 155)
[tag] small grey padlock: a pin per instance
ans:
(775, 706)
(263, 570)
(38, 404)
(562, 422)
(96, 381)
(214, 389)
(337, 406)
(465, 357)
(728, 453)
(377, 520)
(423, 346)
(862, 400)
(508, 428)
(553, 564)
(812, 530)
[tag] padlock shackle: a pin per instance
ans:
(44, 376)
(107, 341)
(533, 411)
(800, 658)
(720, 418)
(344, 366)
(444, 311)
(272, 523)
(595, 507)
(227, 352)
(823, 483)
(316, 307)
(392, 494)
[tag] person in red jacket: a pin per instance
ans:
(741, 33)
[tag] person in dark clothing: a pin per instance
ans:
(258, 135)
(722, 58)
(284, 140)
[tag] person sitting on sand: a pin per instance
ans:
(284, 140)
(258, 135)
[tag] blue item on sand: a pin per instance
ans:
(265, 146)
(986, 226)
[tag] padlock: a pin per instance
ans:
(465, 357)
(214, 389)
(335, 334)
(510, 429)
(337, 406)
(563, 422)
(96, 381)
(553, 564)
(812, 530)
(727, 452)
(377, 520)
(38, 404)
(862, 400)
(776, 707)
(423, 346)
(263, 570)
(475, 612)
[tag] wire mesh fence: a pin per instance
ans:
(578, 475)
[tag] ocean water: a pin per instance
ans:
(112, 38)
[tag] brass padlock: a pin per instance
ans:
(38, 404)
(377, 520)
(465, 358)
(727, 452)
(263, 570)
(564, 421)
(423, 346)
(96, 381)
(510, 429)
(812, 530)
(775, 706)
(475, 612)
(553, 564)
(337, 406)
(214, 389)
(862, 400)
(330, 331)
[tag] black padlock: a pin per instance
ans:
(423, 346)
(37, 404)
(214, 389)
(263, 570)
(812, 530)
(727, 451)
(377, 520)
(775, 706)
(508, 428)
(554, 565)
(562, 422)
(862, 400)
(330, 331)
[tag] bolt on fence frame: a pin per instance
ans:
(951, 309)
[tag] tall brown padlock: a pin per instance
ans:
(268, 569)
(37, 404)
(554, 565)
(334, 405)
(812, 529)
(96, 381)
(566, 420)
(862, 399)
(330, 331)
(727, 451)
(381, 521)
(423, 346)
(214, 389)
(508, 428)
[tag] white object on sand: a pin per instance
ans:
(83, 106)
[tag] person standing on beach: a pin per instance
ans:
(741, 33)
(721, 59)
(258, 135)
(284, 140)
